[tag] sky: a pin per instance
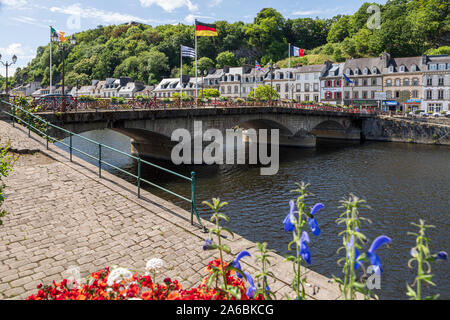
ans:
(24, 24)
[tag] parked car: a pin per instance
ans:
(437, 114)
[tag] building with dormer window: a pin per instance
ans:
(436, 83)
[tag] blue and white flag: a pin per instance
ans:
(188, 52)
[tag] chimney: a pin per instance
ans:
(386, 58)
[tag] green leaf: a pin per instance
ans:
(228, 230)
(226, 248)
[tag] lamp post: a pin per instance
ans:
(8, 64)
(271, 67)
(73, 41)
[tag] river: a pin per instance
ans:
(402, 183)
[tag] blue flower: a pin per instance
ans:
(207, 245)
(252, 288)
(372, 256)
(312, 221)
(289, 221)
(236, 263)
(442, 256)
(304, 249)
(351, 245)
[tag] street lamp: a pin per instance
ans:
(73, 41)
(271, 67)
(8, 64)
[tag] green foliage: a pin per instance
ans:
(351, 218)
(209, 93)
(421, 255)
(87, 98)
(6, 162)
(146, 53)
(117, 100)
(219, 232)
(264, 274)
(440, 50)
(226, 58)
(263, 93)
(185, 97)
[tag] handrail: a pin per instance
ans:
(101, 162)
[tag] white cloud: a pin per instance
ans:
(190, 19)
(215, 3)
(29, 20)
(100, 15)
(170, 5)
(308, 13)
(14, 3)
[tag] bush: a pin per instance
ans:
(87, 99)
(117, 100)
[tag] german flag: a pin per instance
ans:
(205, 30)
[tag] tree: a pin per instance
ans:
(339, 30)
(204, 64)
(209, 93)
(226, 58)
(263, 93)
(156, 64)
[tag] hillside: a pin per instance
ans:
(146, 53)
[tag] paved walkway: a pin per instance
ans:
(61, 214)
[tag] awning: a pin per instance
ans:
(390, 103)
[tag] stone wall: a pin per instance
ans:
(409, 131)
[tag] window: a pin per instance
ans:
(441, 94)
(222, 90)
(236, 89)
(307, 87)
(307, 98)
(415, 82)
(365, 83)
(356, 81)
(429, 94)
(429, 81)
(355, 95)
(299, 77)
(316, 76)
(286, 88)
(372, 95)
(339, 83)
(432, 67)
(388, 83)
(316, 98)
(402, 69)
(374, 82)
(316, 87)
(299, 88)
(306, 76)
(415, 94)
(366, 71)
(347, 95)
(389, 94)
(397, 82)
(441, 66)
(406, 82)
(374, 70)
(278, 88)
(229, 90)
(391, 69)
(441, 81)
(413, 68)
(364, 94)
(244, 90)
(348, 72)
(397, 94)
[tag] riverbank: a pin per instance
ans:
(393, 129)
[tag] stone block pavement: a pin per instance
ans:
(61, 214)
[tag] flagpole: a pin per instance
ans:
(51, 62)
(254, 89)
(181, 76)
(289, 55)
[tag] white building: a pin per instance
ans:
(307, 82)
(436, 84)
(167, 87)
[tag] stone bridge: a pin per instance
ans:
(150, 131)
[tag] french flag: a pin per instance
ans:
(297, 52)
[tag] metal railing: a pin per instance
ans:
(42, 127)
